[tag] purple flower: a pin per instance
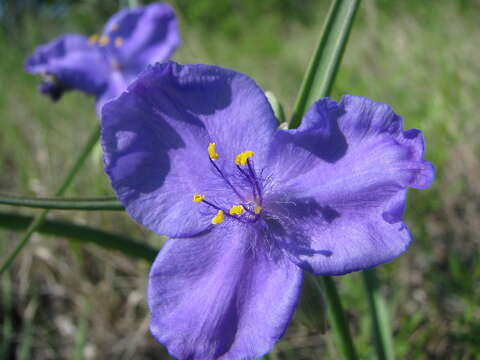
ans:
(103, 65)
(194, 153)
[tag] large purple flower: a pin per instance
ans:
(194, 153)
(103, 65)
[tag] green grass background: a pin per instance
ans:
(67, 301)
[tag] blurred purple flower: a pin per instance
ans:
(103, 65)
(267, 204)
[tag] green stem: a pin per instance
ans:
(379, 315)
(337, 319)
(83, 234)
(326, 59)
(40, 218)
(106, 203)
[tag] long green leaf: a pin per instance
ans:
(106, 203)
(337, 319)
(82, 234)
(379, 315)
(40, 218)
(325, 61)
(316, 84)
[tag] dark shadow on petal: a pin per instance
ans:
(165, 102)
(288, 231)
(184, 94)
(329, 146)
(137, 149)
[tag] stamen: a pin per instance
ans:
(104, 40)
(198, 198)
(93, 39)
(257, 185)
(241, 159)
(211, 151)
(118, 41)
(218, 218)
(257, 209)
(236, 210)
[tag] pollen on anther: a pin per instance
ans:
(93, 39)
(257, 209)
(236, 210)
(104, 40)
(218, 218)
(211, 151)
(242, 158)
(118, 42)
(198, 198)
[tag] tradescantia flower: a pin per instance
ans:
(194, 152)
(103, 65)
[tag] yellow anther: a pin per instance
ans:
(114, 27)
(118, 41)
(218, 218)
(93, 39)
(236, 210)
(241, 159)
(211, 151)
(198, 198)
(104, 40)
(257, 209)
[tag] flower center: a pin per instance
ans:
(248, 209)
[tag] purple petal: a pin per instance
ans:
(155, 139)
(73, 62)
(342, 180)
(142, 36)
(213, 297)
(325, 241)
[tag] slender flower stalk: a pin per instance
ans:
(62, 203)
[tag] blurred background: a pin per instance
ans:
(65, 300)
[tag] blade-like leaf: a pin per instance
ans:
(337, 318)
(324, 63)
(82, 234)
(379, 315)
(106, 203)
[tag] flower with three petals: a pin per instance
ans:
(194, 152)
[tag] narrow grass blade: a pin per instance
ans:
(379, 314)
(324, 63)
(40, 218)
(338, 320)
(82, 234)
(106, 203)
